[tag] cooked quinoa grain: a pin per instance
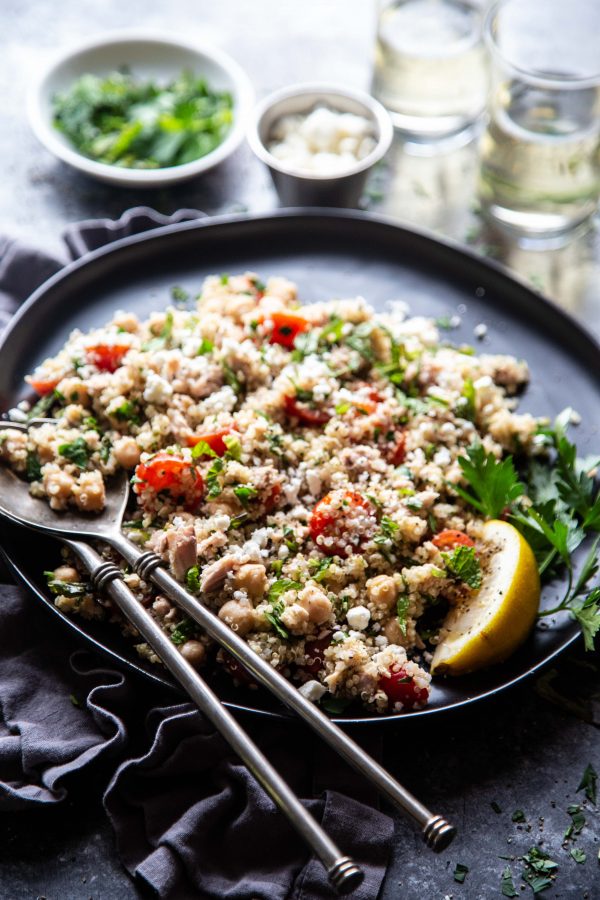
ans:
(295, 463)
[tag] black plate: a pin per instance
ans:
(328, 254)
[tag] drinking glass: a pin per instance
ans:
(540, 154)
(430, 65)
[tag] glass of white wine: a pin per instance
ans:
(431, 69)
(540, 154)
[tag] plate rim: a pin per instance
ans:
(303, 213)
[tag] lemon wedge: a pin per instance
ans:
(489, 625)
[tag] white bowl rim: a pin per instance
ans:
(45, 132)
(377, 112)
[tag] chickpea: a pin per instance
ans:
(316, 604)
(66, 573)
(239, 616)
(394, 633)
(252, 578)
(161, 607)
(127, 452)
(58, 486)
(382, 591)
(194, 652)
(89, 492)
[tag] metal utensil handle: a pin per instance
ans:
(437, 832)
(342, 871)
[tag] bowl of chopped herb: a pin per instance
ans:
(141, 109)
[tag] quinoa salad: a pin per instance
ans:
(293, 463)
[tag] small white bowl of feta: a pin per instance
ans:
(319, 142)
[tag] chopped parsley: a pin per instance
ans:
(76, 452)
(273, 615)
(212, 479)
(122, 120)
(128, 411)
(578, 855)
(202, 448)
(192, 579)
(518, 816)
(205, 347)
(179, 294)
(232, 379)
(66, 588)
(462, 564)
(245, 493)
(465, 406)
(319, 568)
(183, 631)
(402, 607)
(33, 466)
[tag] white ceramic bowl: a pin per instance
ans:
(148, 55)
(297, 188)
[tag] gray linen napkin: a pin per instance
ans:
(190, 821)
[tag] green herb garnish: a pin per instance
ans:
(76, 452)
(507, 885)
(65, 588)
(192, 579)
(183, 631)
(462, 563)
(124, 121)
(245, 493)
(460, 872)
(588, 783)
(33, 466)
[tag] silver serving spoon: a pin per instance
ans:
(17, 504)
(343, 873)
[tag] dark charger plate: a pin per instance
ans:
(328, 254)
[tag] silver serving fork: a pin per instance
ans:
(18, 505)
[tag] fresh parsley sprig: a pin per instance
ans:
(555, 510)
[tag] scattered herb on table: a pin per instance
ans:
(123, 121)
(578, 855)
(460, 872)
(588, 783)
(518, 816)
(539, 870)
(577, 821)
(507, 885)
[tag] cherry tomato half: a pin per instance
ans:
(286, 325)
(397, 454)
(401, 688)
(447, 540)
(333, 517)
(106, 357)
(315, 654)
(42, 385)
(171, 473)
(304, 414)
(214, 440)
